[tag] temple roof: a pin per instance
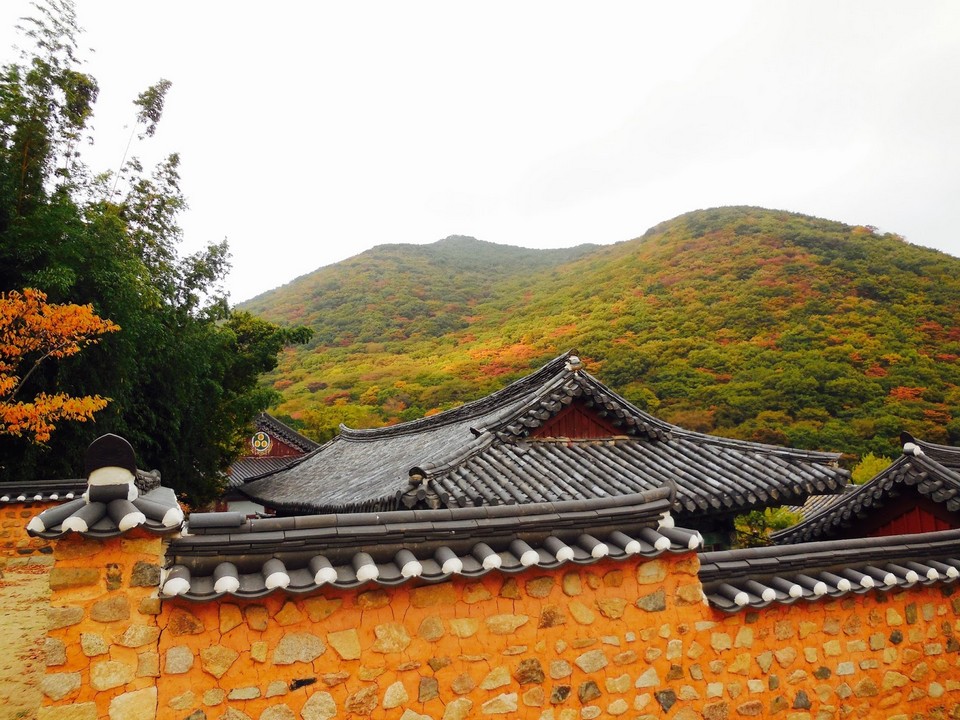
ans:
(269, 424)
(945, 455)
(500, 450)
(926, 474)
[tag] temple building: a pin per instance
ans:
(558, 434)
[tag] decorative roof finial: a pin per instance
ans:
(573, 363)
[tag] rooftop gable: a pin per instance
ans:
(859, 511)
(269, 424)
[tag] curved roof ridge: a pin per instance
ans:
(532, 402)
(538, 401)
(677, 430)
(646, 418)
(947, 455)
(751, 445)
(476, 408)
(944, 472)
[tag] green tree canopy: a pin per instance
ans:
(183, 371)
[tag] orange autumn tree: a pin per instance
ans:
(31, 331)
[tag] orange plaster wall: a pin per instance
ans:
(14, 540)
(616, 639)
(25, 564)
(573, 643)
(103, 628)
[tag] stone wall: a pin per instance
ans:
(630, 640)
(615, 639)
(25, 564)
(101, 649)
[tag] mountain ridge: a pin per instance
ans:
(451, 247)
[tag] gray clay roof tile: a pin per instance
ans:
(349, 550)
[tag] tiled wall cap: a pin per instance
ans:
(949, 571)
(791, 589)
(840, 583)
(107, 492)
(200, 521)
(365, 568)
(125, 515)
(908, 575)
(659, 540)
(817, 587)
(596, 548)
(855, 576)
(486, 556)
(739, 597)
(449, 563)
(275, 574)
(692, 542)
(176, 581)
(54, 516)
(767, 594)
(930, 573)
(85, 517)
(165, 514)
(559, 549)
(409, 566)
(526, 554)
(226, 578)
(322, 569)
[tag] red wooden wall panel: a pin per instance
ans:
(576, 421)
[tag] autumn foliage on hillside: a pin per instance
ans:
(757, 324)
(32, 331)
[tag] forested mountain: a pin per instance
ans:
(740, 321)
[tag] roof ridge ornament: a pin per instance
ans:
(112, 503)
(573, 364)
(911, 448)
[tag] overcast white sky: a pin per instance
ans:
(311, 131)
